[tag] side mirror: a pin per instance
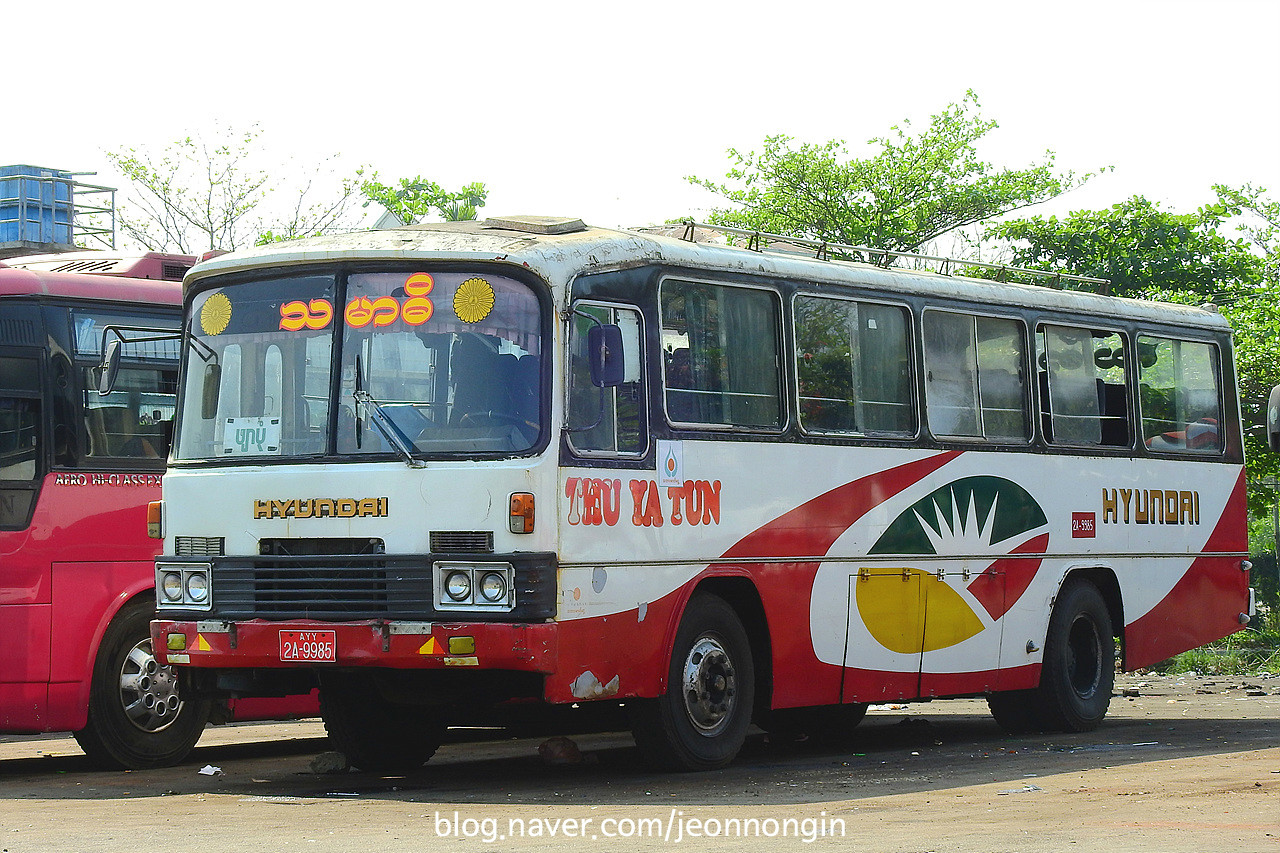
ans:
(1273, 419)
(605, 355)
(209, 392)
(110, 368)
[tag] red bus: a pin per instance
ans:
(77, 470)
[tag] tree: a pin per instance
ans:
(914, 189)
(1262, 225)
(417, 197)
(1140, 248)
(197, 194)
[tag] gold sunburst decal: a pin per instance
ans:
(215, 314)
(473, 300)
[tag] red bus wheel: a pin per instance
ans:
(137, 718)
(701, 722)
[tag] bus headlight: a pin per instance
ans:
(458, 586)
(183, 585)
(171, 586)
(474, 586)
(197, 586)
(493, 587)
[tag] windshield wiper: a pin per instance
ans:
(385, 425)
(388, 428)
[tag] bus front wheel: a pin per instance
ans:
(375, 735)
(137, 719)
(700, 722)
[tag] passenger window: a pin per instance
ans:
(19, 438)
(1179, 395)
(720, 355)
(975, 370)
(606, 420)
(853, 366)
(136, 419)
(1084, 387)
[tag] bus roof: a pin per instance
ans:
(560, 248)
(27, 282)
(158, 265)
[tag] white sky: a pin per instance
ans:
(599, 109)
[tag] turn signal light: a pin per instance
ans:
(154, 528)
(522, 512)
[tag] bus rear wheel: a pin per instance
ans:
(1078, 672)
(137, 719)
(375, 735)
(701, 722)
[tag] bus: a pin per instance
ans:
(77, 471)
(527, 463)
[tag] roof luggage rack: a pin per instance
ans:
(759, 241)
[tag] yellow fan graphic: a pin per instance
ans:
(215, 314)
(473, 300)
(909, 610)
(893, 609)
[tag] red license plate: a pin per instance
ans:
(309, 645)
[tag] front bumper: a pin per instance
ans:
(256, 643)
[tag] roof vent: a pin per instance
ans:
(173, 272)
(536, 224)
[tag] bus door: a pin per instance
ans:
(24, 587)
(922, 631)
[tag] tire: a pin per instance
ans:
(375, 735)
(701, 722)
(1016, 711)
(137, 719)
(1077, 674)
(1079, 660)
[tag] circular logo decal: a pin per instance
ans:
(215, 314)
(473, 300)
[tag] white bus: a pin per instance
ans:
(443, 468)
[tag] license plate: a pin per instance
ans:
(309, 645)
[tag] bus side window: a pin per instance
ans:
(21, 445)
(853, 367)
(1083, 377)
(1179, 396)
(730, 335)
(135, 421)
(974, 376)
(601, 420)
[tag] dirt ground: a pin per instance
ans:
(1182, 765)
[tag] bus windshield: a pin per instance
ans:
(435, 363)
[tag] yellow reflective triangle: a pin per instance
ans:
(202, 645)
(430, 647)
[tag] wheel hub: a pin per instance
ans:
(1084, 658)
(148, 691)
(709, 686)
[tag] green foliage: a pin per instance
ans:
(1140, 248)
(197, 195)
(1246, 652)
(1261, 225)
(913, 189)
(417, 197)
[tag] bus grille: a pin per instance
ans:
(323, 588)
(352, 586)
